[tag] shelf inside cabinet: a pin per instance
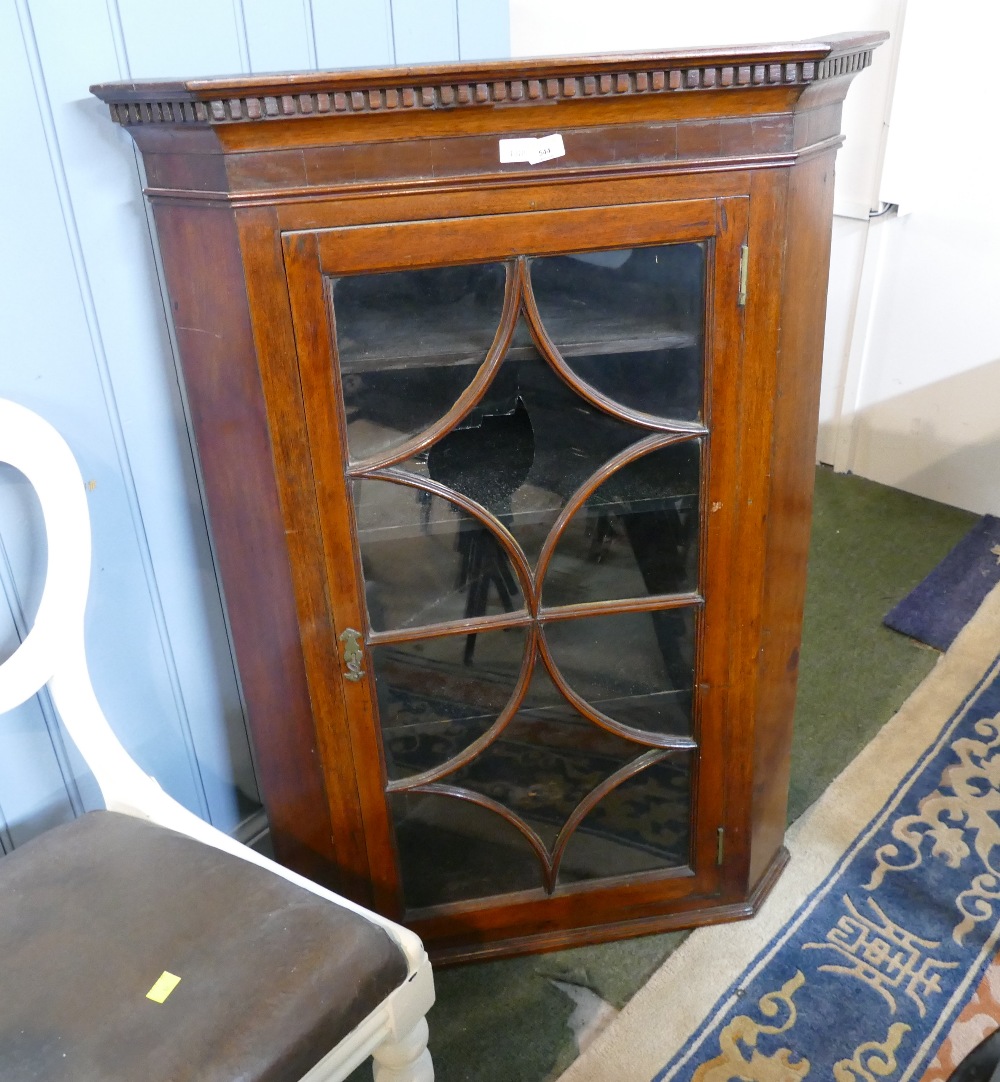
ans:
(383, 328)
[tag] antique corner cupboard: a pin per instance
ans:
(504, 383)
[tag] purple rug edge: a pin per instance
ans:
(936, 610)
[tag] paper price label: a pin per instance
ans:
(532, 150)
(516, 150)
(165, 984)
(549, 147)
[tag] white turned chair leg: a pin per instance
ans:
(405, 1060)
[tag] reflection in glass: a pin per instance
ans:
(409, 343)
(434, 700)
(636, 535)
(636, 668)
(526, 447)
(451, 850)
(630, 323)
(546, 761)
(642, 825)
(425, 560)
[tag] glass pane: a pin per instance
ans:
(636, 536)
(451, 850)
(524, 450)
(642, 825)
(409, 343)
(425, 560)
(546, 761)
(630, 323)
(436, 696)
(636, 668)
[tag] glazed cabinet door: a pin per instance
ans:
(522, 432)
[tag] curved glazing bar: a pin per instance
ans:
(441, 699)
(410, 346)
(526, 447)
(428, 559)
(630, 531)
(632, 672)
(583, 822)
(642, 824)
(455, 847)
(625, 326)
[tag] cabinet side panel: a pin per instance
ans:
(227, 411)
(809, 212)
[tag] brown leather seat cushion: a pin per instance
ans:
(91, 914)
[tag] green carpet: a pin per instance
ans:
(504, 1021)
(870, 546)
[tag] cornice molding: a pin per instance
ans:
(513, 83)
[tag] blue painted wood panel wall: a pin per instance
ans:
(85, 342)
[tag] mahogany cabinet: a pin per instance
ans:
(504, 383)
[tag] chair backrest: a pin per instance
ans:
(53, 652)
(33, 447)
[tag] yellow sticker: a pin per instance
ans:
(166, 983)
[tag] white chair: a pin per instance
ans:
(280, 979)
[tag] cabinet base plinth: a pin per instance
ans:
(517, 946)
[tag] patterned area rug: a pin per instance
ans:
(875, 956)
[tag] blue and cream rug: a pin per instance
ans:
(875, 956)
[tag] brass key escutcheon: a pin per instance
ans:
(353, 654)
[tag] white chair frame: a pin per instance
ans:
(53, 653)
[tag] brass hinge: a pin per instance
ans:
(744, 268)
(721, 852)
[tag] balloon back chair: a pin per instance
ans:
(139, 942)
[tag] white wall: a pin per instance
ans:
(84, 341)
(923, 408)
